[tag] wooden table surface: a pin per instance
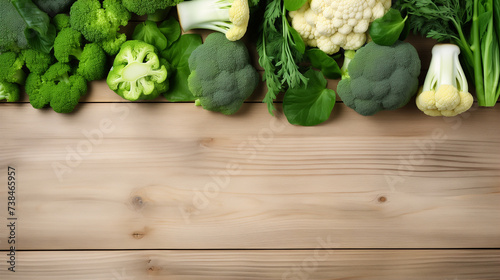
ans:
(157, 190)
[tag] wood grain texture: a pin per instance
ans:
(262, 265)
(174, 176)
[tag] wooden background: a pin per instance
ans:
(157, 190)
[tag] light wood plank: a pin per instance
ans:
(290, 264)
(176, 176)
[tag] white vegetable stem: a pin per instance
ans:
(205, 14)
(445, 69)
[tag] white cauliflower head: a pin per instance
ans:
(334, 24)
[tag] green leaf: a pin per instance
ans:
(179, 90)
(171, 29)
(309, 105)
(293, 5)
(150, 33)
(386, 30)
(180, 51)
(298, 43)
(325, 63)
(178, 56)
(40, 33)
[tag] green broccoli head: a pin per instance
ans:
(221, 74)
(57, 87)
(12, 28)
(112, 46)
(11, 68)
(9, 91)
(92, 65)
(68, 43)
(98, 22)
(380, 78)
(36, 61)
(137, 72)
(61, 21)
(143, 7)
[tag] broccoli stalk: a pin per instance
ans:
(445, 91)
(226, 16)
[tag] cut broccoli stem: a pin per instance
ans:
(348, 56)
(197, 102)
(205, 14)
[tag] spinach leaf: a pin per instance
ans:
(150, 33)
(178, 55)
(39, 32)
(293, 5)
(309, 104)
(387, 29)
(171, 29)
(325, 63)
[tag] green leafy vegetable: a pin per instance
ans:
(178, 55)
(280, 51)
(293, 5)
(320, 60)
(39, 32)
(171, 29)
(309, 104)
(149, 32)
(388, 29)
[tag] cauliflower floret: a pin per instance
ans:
(320, 21)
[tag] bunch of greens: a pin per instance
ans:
(282, 54)
(472, 25)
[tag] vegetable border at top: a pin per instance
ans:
(298, 42)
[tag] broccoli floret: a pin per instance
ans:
(54, 7)
(61, 21)
(68, 43)
(12, 28)
(143, 7)
(9, 91)
(221, 74)
(36, 61)
(11, 68)
(92, 65)
(227, 16)
(92, 58)
(57, 87)
(137, 72)
(98, 22)
(112, 46)
(379, 78)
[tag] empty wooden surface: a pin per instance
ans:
(158, 190)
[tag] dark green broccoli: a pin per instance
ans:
(143, 7)
(53, 7)
(221, 74)
(61, 21)
(100, 22)
(92, 58)
(11, 68)
(137, 72)
(36, 61)
(12, 28)
(57, 87)
(379, 77)
(9, 91)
